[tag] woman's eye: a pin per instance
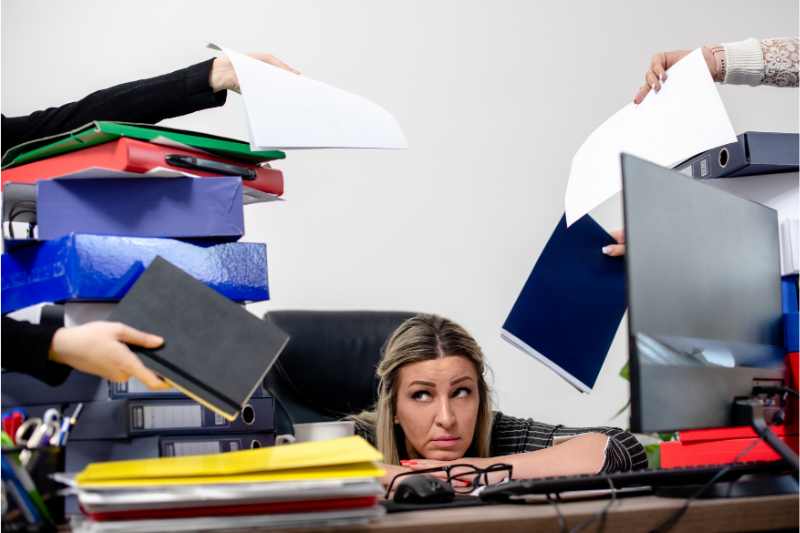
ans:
(421, 395)
(462, 392)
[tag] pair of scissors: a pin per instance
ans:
(36, 432)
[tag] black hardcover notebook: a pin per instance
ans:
(214, 351)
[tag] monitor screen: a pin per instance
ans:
(704, 296)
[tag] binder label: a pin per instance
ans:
(179, 448)
(166, 416)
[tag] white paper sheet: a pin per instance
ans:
(684, 118)
(286, 110)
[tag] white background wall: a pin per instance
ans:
(494, 97)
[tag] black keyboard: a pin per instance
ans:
(664, 477)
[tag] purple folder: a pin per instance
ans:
(141, 207)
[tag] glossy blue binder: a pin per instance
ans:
(571, 305)
(141, 207)
(82, 267)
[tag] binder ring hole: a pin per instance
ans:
(254, 444)
(723, 157)
(248, 414)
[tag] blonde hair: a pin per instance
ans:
(422, 338)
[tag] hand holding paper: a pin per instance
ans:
(684, 118)
(293, 111)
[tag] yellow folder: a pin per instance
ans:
(352, 471)
(308, 460)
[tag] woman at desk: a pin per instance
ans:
(50, 352)
(434, 410)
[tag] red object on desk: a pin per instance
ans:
(676, 454)
(792, 410)
(279, 507)
(723, 445)
(130, 155)
(719, 434)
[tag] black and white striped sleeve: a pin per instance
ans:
(512, 435)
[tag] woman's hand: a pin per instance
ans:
(391, 472)
(223, 76)
(99, 348)
(657, 73)
(616, 250)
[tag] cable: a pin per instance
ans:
(673, 519)
(600, 515)
(774, 390)
(562, 523)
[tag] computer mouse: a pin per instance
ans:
(423, 488)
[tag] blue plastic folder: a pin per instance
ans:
(141, 207)
(101, 268)
(572, 304)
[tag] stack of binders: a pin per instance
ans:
(84, 214)
(313, 484)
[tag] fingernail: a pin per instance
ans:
(408, 462)
(606, 250)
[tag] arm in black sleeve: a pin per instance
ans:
(26, 348)
(148, 101)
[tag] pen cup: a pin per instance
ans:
(43, 462)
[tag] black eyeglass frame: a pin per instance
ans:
(475, 472)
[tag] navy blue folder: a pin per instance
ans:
(103, 268)
(571, 305)
(753, 153)
(141, 207)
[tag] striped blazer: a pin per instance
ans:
(512, 435)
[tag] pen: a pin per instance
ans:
(66, 425)
(5, 440)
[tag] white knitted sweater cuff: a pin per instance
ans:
(744, 62)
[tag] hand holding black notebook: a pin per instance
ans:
(215, 351)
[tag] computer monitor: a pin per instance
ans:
(703, 284)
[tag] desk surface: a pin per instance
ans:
(630, 514)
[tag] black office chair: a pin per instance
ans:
(327, 370)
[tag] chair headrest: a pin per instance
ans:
(329, 363)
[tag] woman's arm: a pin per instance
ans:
(511, 435)
(748, 62)
(582, 454)
(149, 100)
(536, 449)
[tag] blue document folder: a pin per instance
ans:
(570, 308)
(141, 207)
(102, 268)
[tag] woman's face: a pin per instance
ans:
(437, 406)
